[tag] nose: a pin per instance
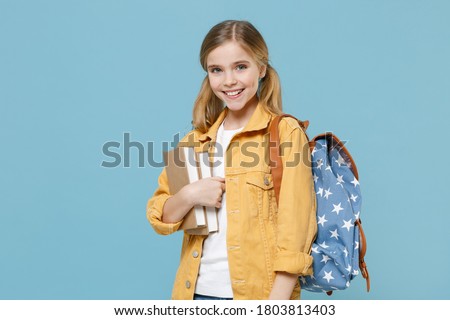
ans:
(230, 80)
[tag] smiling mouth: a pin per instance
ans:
(234, 93)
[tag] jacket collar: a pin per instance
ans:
(260, 119)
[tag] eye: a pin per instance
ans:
(214, 70)
(241, 67)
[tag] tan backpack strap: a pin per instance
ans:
(362, 253)
(274, 151)
(274, 156)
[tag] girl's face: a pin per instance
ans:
(233, 75)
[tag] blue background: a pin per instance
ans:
(77, 74)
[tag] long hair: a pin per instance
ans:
(208, 106)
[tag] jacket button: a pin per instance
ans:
(266, 181)
(195, 254)
(188, 284)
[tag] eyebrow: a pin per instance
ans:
(234, 63)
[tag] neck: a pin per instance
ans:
(236, 119)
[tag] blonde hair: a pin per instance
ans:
(208, 106)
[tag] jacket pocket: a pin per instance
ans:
(260, 194)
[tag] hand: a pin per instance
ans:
(207, 192)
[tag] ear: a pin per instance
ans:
(262, 72)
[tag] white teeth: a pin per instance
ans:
(233, 93)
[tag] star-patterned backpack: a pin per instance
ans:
(340, 245)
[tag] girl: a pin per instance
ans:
(260, 249)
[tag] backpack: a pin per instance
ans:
(340, 245)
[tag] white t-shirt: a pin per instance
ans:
(214, 275)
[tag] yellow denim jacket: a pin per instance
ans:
(262, 238)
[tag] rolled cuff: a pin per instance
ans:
(154, 216)
(299, 263)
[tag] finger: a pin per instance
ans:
(219, 179)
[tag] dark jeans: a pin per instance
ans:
(203, 297)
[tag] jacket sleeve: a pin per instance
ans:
(297, 224)
(155, 207)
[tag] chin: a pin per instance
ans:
(238, 105)
(235, 106)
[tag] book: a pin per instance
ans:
(183, 167)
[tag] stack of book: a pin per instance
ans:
(184, 166)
